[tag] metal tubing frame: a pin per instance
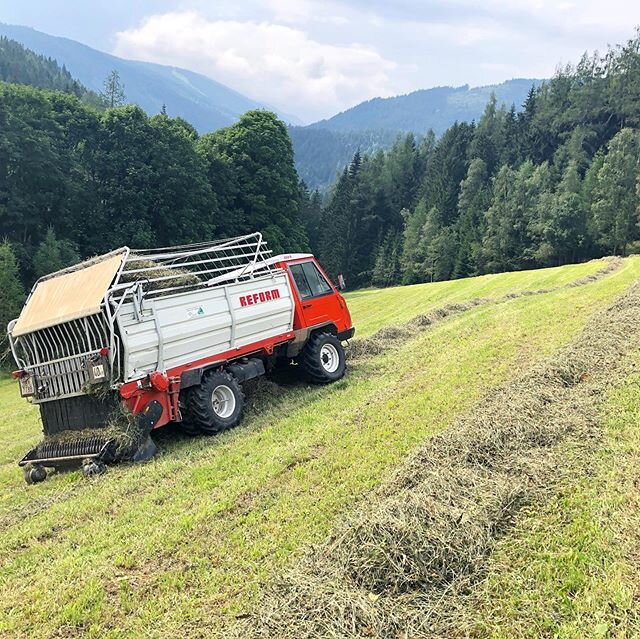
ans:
(238, 256)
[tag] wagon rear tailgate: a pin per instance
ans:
(66, 297)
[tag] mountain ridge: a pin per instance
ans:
(322, 148)
(202, 101)
(435, 108)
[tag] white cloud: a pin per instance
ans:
(305, 11)
(274, 63)
(317, 57)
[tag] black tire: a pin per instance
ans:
(187, 427)
(214, 405)
(323, 359)
(34, 474)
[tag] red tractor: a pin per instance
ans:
(170, 335)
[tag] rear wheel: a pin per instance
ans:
(214, 405)
(34, 474)
(93, 467)
(323, 359)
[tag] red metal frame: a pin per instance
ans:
(138, 393)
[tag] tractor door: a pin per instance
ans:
(319, 301)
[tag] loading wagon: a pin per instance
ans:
(167, 335)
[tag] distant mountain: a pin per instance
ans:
(203, 102)
(324, 148)
(321, 154)
(435, 109)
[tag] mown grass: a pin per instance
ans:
(179, 546)
(375, 308)
(570, 569)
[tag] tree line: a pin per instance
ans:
(557, 182)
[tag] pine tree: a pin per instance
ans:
(473, 202)
(113, 90)
(615, 205)
(311, 215)
(510, 150)
(488, 137)
(336, 228)
(387, 269)
(412, 249)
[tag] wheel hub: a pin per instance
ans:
(329, 358)
(223, 401)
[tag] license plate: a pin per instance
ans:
(97, 372)
(27, 387)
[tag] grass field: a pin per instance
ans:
(571, 568)
(182, 545)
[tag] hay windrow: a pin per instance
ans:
(402, 563)
(390, 336)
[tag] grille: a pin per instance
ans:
(57, 355)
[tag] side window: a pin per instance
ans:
(317, 281)
(309, 280)
(301, 281)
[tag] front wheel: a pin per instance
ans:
(323, 359)
(216, 404)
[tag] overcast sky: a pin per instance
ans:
(315, 58)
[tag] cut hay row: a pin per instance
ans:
(403, 562)
(161, 277)
(390, 336)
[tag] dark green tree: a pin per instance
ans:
(615, 206)
(387, 266)
(53, 254)
(563, 222)
(473, 202)
(258, 153)
(11, 293)
(337, 225)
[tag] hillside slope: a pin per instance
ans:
(186, 544)
(19, 65)
(324, 148)
(203, 102)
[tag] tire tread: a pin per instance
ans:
(197, 413)
(310, 359)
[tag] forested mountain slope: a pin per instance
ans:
(324, 148)
(205, 103)
(20, 65)
(554, 183)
